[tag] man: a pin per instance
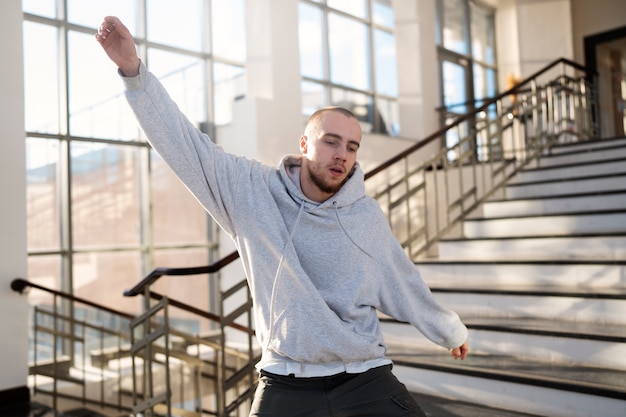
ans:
(318, 253)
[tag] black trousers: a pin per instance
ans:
(375, 393)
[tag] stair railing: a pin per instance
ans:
(232, 349)
(425, 192)
(74, 360)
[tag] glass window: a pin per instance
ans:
(349, 52)
(176, 215)
(90, 13)
(90, 270)
(312, 62)
(105, 195)
(229, 83)
(483, 38)
(314, 96)
(80, 130)
(228, 29)
(47, 8)
(385, 63)
(41, 88)
(46, 271)
(353, 55)
(383, 13)
(454, 26)
(356, 8)
(42, 194)
(454, 87)
(176, 23)
(361, 105)
(103, 112)
(184, 79)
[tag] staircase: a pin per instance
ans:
(539, 277)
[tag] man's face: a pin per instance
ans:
(329, 147)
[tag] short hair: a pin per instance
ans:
(317, 115)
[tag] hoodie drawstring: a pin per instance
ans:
(274, 282)
(346, 232)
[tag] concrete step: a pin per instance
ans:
(600, 153)
(438, 406)
(586, 146)
(522, 386)
(605, 306)
(578, 170)
(592, 248)
(583, 275)
(613, 200)
(547, 340)
(547, 225)
(552, 188)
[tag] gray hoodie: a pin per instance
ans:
(318, 272)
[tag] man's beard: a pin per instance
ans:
(327, 186)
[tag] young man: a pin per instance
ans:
(318, 253)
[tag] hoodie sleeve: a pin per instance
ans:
(205, 169)
(404, 295)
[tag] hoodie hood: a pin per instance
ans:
(354, 189)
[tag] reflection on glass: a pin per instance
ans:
(388, 112)
(360, 104)
(386, 63)
(356, 8)
(483, 38)
(313, 97)
(383, 13)
(229, 83)
(103, 277)
(44, 271)
(228, 29)
(177, 217)
(184, 79)
(176, 23)
(41, 88)
(484, 83)
(97, 104)
(454, 87)
(105, 207)
(312, 61)
(454, 23)
(90, 13)
(47, 8)
(194, 292)
(349, 52)
(42, 194)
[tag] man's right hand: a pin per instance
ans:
(119, 45)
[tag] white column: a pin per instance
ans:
(418, 77)
(13, 307)
(267, 122)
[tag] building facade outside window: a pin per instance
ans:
(103, 209)
(348, 58)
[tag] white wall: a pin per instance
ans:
(594, 17)
(13, 307)
(531, 34)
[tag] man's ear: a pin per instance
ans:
(303, 144)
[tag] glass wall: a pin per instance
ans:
(348, 58)
(103, 208)
(467, 62)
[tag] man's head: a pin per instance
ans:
(330, 142)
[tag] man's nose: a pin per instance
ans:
(340, 153)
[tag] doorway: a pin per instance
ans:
(605, 54)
